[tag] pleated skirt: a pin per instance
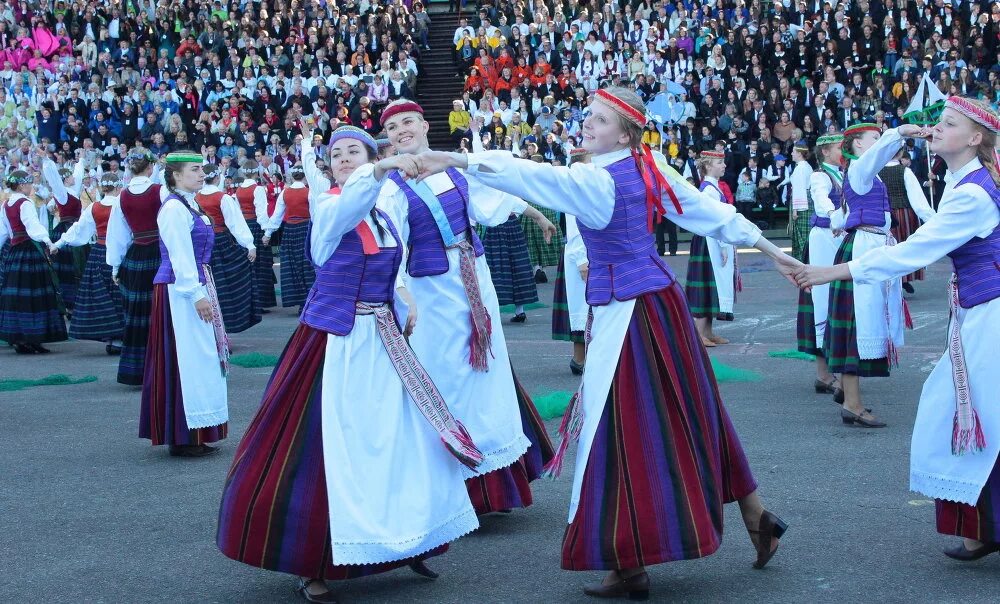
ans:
(274, 511)
(700, 287)
(99, 314)
(297, 273)
(904, 224)
(161, 415)
(29, 301)
(69, 263)
(800, 232)
(510, 267)
(539, 252)
(981, 521)
(135, 276)
(234, 283)
(561, 327)
(263, 269)
(805, 318)
(665, 457)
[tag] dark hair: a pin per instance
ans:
(138, 164)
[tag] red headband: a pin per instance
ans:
(622, 108)
(713, 154)
(404, 107)
(862, 128)
(974, 112)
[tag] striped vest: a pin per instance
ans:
(428, 255)
(202, 240)
(140, 212)
(977, 262)
(868, 209)
(622, 256)
(348, 277)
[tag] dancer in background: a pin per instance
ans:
(65, 186)
(956, 437)
(291, 215)
(657, 453)
(569, 300)
(99, 313)
(252, 198)
(801, 213)
(184, 396)
(31, 312)
(340, 474)
(233, 254)
(133, 241)
(909, 207)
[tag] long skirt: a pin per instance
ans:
(297, 273)
(507, 256)
(561, 328)
(161, 417)
(665, 457)
(539, 252)
(234, 282)
(700, 288)
(507, 488)
(805, 318)
(904, 223)
(275, 512)
(263, 268)
(68, 264)
(980, 522)
(4, 251)
(840, 345)
(800, 232)
(99, 313)
(29, 301)
(135, 276)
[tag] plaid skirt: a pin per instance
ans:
(561, 329)
(805, 319)
(800, 232)
(297, 273)
(29, 301)
(99, 313)
(263, 269)
(135, 277)
(699, 287)
(234, 283)
(840, 345)
(69, 263)
(665, 456)
(4, 250)
(539, 252)
(161, 415)
(904, 223)
(980, 522)
(510, 266)
(274, 511)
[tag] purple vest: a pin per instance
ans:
(202, 239)
(868, 209)
(348, 277)
(977, 262)
(427, 254)
(836, 196)
(623, 259)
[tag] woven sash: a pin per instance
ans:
(967, 431)
(221, 339)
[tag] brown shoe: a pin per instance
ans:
(770, 529)
(708, 343)
(719, 340)
(635, 587)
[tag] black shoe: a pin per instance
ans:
(575, 368)
(323, 598)
(192, 450)
(113, 350)
(960, 552)
(38, 348)
(673, 253)
(23, 349)
(908, 288)
(541, 277)
(421, 569)
(854, 419)
(838, 396)
(519, 318)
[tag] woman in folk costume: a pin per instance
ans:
(65, 186)
(712, 280)
(291, 215)
(658, 455)
(569, 300)
(184, 396)
(233, 254)
(826, 185)
(800, 222)
(342, 473)
(133, 242)
(864, 320)
(956, 437)
(99, 313)
(909, 207)
(31, 312)
(461, 341)
(252, 198)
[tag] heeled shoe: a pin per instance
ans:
(575, 368)
(635, 587)
(838, 396)
(962, 554)
(421, 569)
(769, 528)
(708, 343)
(824, 388)
(855, 419)
(323, 598)
(519, 318)
(192, 450)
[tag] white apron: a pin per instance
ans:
(823, 248)
(725, 276)
(877, 321)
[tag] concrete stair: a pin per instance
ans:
(439, 82)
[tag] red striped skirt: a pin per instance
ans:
(665, 457)
(905, 222)
(981, 521)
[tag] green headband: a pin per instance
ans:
(829, 139)
(176, 158)
(15, 179)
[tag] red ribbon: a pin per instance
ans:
(656, 184)
(369, 244)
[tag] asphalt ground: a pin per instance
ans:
(91, 513)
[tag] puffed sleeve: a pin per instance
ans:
(235, 222)
(916, 197)
(81, 232)
(117, 239)
(78, 170)
(862, 171)
(820, 186)
(34, 228)
(175, 223)
(335, 217)
(55, 182)
(274, 221)
(318, 183)
(260, 205)
(576, 251)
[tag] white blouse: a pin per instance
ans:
(259, 201)
(83, 230)
(820, 187)
(175, 223)
(119, 236)
(29, 218)
(232, 215)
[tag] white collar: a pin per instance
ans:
(108, 200)
(297, 185)
(713, 180)
(209, 189)
(606, 159)
(15, 198)
(964, 171)
(249, 182)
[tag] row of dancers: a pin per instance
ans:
(339, 476)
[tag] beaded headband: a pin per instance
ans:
(182, 157)
(356, 133)
(137, 154)
(982, 116)
(402, 107)
(622, 108)
(864, 127)
(19, 178)
(713, 155)
(829, 139)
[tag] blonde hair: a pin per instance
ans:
(986, 151)
(704, 161)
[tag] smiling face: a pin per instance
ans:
(346, 156)
(603, 131)
(954, 134)
(407, 132)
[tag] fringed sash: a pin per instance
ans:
(572, 421)
(221, 339)
(421, 388)
(967, 431)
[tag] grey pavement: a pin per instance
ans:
(90, 513)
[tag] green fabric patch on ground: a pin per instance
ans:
(12, 385)
(532, 306)
(253, 359)
(553, 404)
(792, 354)
(725, 373)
